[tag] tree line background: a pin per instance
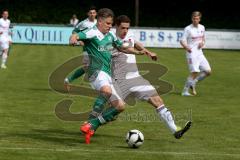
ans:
(152, 13)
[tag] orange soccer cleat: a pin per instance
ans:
(86, 129)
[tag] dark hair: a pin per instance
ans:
(92, 8)
(105, 13)
(196, 14)
(4, 10)
(122, 19)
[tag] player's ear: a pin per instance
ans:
(99, 20)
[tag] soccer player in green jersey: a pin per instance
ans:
(87, 23)
(99, 43)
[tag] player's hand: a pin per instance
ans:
(73, 39)
(188, 50)
(81, 43)
(152, 55)
(1, 32)
(200, 45)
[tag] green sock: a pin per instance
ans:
(97, 107)
(108, 115)
(78, 73)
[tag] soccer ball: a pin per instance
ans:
(134, 138)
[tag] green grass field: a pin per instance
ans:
(30, 130)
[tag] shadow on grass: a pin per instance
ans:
(59, 137)
(53, 136)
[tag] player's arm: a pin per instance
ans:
(185, 46)
(183, 41)
(78, 29)
(202, 43)
(131, 50)
(124, 47)
(82, 35)
(73, 39)
(140, 47)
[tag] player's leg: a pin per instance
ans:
(100, 102)
(4, 46)
(108, 115)
(4, 58)
(205, 72)
(205, 69)
(193, 65)
(77, 73)
(143, 90)
(166, 116)
(103, 84)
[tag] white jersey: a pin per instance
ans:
(85, 24)
(4, 28)
(124, 65)
(74, 22)
(192, 36)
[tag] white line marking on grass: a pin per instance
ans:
(139, 151)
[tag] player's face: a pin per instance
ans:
(5, 14)
(196, 20)
(122, 29)
(92, 14)
(105, 24)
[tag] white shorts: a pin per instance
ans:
(103, 79)
(4, 42)
(137, 87)
(198, 63)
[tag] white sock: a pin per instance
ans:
(201, 77)
(4, 58)
(167, 118)
(188, 83)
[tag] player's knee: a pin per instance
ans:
(106, 91)
(119, 105)
(208, 72)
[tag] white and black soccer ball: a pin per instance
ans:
(134, 138)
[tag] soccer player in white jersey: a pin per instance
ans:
(193, 41)
(5, 38)
(88, 22)
(128, 81)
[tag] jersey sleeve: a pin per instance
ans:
(204, 33)
(116, 41)
(130, 38)
(79, 27)
(1, 24)
(87, 34)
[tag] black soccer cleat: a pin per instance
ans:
(178, 134)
